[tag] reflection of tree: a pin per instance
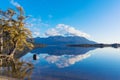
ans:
(16, 68)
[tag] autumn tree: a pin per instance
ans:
(14, 36)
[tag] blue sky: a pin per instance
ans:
(98, 19)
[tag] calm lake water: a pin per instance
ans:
(55, 63)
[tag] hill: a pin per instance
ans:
(60, 40)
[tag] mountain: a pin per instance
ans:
(60, 40)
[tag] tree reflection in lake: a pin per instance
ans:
(16, 68)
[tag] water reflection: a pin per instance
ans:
(15, 68)
(61, 50)
(65, 60)
(63, 56)
(75, 64)
(52, 66)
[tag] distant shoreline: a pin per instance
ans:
(115, 45)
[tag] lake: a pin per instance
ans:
(69, 63)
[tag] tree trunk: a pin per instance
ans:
(1, 41)
(12, 53)
(14, 50)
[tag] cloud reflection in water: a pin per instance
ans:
(65, 60)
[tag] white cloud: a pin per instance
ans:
(65, 30)
(65, 60)
(52, 32)
(15, 3)
(38, 28)
(36, 34)
(36, 22)
(36, 25)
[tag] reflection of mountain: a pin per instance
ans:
(65, 60)
(59, 40)
(61, 61)
(60, 50)
(62, 56)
